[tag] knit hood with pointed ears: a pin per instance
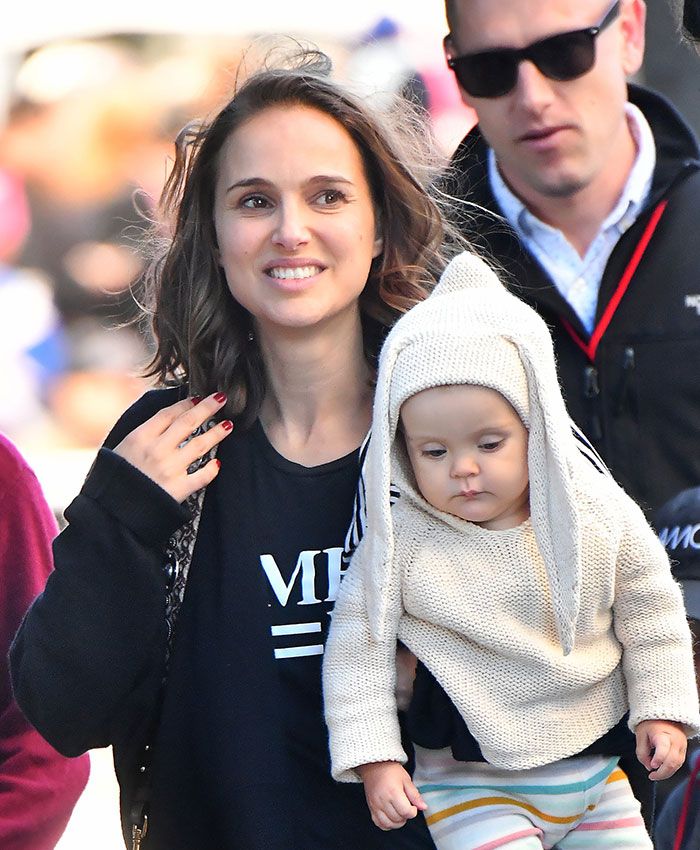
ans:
(471, 330)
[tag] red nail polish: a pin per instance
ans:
(217, 462)
(220, 397)
(196, 399)
(227, 424)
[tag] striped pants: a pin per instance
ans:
(582, 803)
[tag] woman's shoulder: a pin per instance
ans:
(141, 410)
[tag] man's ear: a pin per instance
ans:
(447, 46)
(632, 23)
(450, 52)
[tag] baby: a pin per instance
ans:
(527, 582)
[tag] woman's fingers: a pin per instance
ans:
(160, 448)
(202, 444)
(196, 480)
(187, 421)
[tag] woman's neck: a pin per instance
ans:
(319, 401)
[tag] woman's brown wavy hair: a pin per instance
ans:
(202, 333)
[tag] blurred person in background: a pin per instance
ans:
(678, 521)
(38, 787)
(32, 339)
(380, 65)
(301, 228)
(80, 124)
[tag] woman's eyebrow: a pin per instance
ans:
(248, 182)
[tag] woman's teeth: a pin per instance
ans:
(284, 273)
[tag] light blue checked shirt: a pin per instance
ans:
(578, 278)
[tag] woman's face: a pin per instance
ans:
(294, 219)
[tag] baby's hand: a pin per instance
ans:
(668, 743)
(391, 795)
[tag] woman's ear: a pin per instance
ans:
(378, 246)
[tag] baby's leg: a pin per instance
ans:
(476, 806)
(505, 831)
(467, 806)
(613, 822)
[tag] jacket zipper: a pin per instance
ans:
(591, 390)
(625, 384)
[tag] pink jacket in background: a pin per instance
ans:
(38, 787)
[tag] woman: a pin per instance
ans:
(299, 234)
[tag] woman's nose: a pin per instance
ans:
(291, 228)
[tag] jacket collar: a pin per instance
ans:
(677, 153)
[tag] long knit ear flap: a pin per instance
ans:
(466, 271)
(553, 508)
(379, 536)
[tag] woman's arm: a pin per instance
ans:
(98, 629)
(92, 647)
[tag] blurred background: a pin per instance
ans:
(91, 97)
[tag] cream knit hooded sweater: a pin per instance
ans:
(542, 635)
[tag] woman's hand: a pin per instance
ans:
(158, 448)
(391, 795)
(661, 747)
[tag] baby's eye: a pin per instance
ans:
(433, 452)
(490, 445)
(255, 202)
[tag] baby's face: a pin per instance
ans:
(468, 450)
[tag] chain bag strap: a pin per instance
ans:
(178, 558)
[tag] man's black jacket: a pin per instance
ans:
(634, 385)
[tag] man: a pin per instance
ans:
(587, 192)
(38, 787)
(597, 189)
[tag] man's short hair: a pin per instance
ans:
(691, 19)
(451, 14)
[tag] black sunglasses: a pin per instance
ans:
(493, 73)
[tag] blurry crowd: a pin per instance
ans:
(84, 151)
(85, 139)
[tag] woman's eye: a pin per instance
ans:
(330, 196)
(255, 202)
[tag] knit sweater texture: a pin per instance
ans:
(542, 635)
(474, 605)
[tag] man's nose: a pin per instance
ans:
(532, 89)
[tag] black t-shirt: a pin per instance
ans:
(245, 675)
